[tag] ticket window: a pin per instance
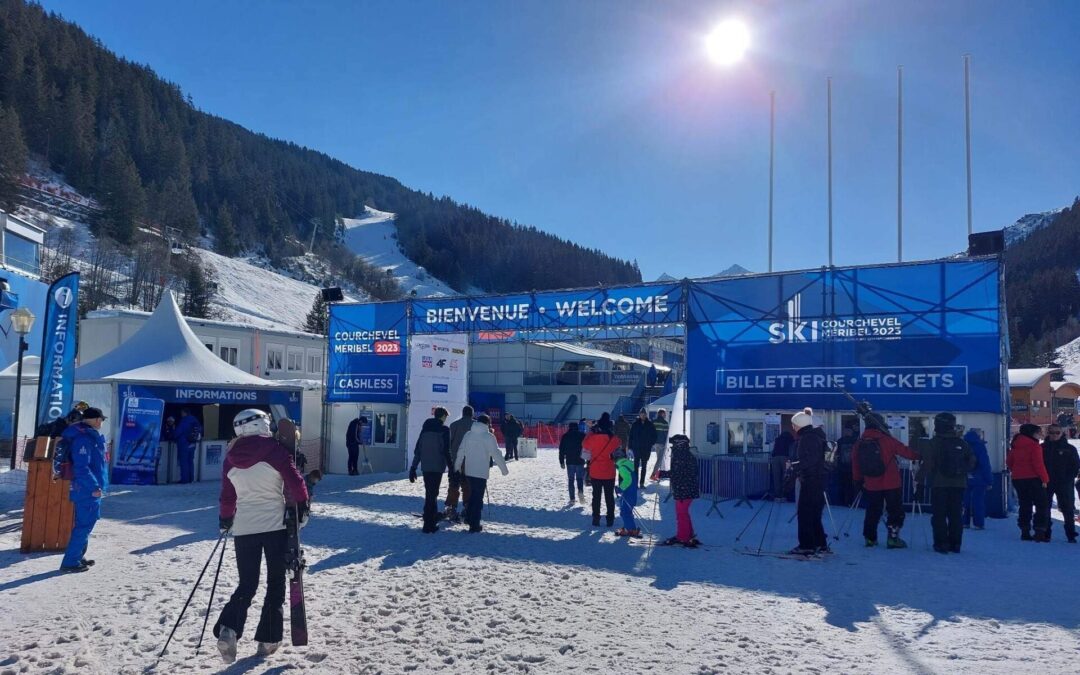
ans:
(919, 427)
(745, 437)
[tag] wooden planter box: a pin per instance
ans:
(48, 514)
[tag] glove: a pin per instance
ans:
(224, 524)
(303, 510)
(561, 465)
(412, 475)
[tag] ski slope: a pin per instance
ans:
(258, 296)
(540, 591)
(374, 238)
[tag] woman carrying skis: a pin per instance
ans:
(259, 481)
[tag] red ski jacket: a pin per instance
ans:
(601, 466)
(890, 448)
(1025, 459)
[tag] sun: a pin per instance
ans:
(728, 42)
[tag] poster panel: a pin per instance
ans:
(139, 447)
(368, 353)
(907, 337)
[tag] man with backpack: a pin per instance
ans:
(187, 435)
(432, 455)
(84, 451)
(947, 460)
(873, 463)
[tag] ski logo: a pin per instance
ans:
(794, 329)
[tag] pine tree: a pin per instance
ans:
(13, 156)
(318, 318)
(225, 240)
(123, 199)
(199, 288)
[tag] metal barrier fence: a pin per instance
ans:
(734, 477)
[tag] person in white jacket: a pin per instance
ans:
(478, 450)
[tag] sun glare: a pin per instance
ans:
(728, 42)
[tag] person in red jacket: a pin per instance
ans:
(1029, 478)
(596, 449)
(873, 462)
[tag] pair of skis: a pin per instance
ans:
(294, 554)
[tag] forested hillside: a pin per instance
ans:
(123, 135)
(1042, 290)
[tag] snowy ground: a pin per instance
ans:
(541, 591)
(373, 239)
(257, 296)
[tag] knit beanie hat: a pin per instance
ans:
(944, 422)
(803, 419)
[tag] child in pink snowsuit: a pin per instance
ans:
(684, 489)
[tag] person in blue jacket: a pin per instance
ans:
(980, 479)
(87, 452)
(187, 434)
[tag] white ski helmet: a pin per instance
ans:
(251, 422)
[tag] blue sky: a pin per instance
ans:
(603, 121)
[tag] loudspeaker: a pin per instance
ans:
(332, 294)
(986, 243)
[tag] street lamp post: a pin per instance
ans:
(22, 321)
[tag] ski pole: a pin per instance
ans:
(768, 519)
(829, 509)
(764, 503)
(846, 529)
(213, 589)
(192, 594)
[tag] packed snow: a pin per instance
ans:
(254, 295)
(374, 238)
(541, 591)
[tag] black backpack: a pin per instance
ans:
(871, 463)
(954, 459)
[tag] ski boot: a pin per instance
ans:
(267, 648)
(226, 644)
(894, 540)
(798, 550)
(1025, 535)
(622, 532)
(870, 543)
(581, 498)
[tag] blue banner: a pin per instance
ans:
(281, 402)
(57, 379)
(368, 359)
(140, 442)
(918, 337)
(551, 312)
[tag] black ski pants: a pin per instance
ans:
(511, 447)
(878, 501)
(1063, 491)
(947, 504)
(432, 481)
(810, 508)
(1032, 497)
(474, 508)
(641, 464)
(607, 486)
(354, 457)
(250, 549)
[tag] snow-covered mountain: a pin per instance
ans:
(373, 237)
(733, 271)
(1023, 227)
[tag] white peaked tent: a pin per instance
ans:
(166, 360)
(166, 350)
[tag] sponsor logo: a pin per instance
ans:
(797, 330)
(440, 388)
(457, 350)
(426, 361)
(441, 363)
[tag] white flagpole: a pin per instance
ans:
(967, 133)
(899, 164)
(772, 145)
(829, 122)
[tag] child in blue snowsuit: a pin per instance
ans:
(628, 487)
